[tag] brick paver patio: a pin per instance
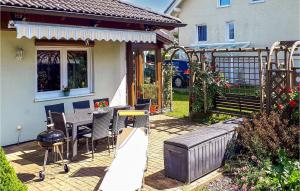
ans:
(87, 174)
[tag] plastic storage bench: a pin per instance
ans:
(190, 156)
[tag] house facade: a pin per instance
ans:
(236, 23)
(88, 46)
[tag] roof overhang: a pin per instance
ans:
(29, 10)
(68, 32)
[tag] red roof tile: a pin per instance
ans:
(107, 8)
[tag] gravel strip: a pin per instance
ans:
(223, 183)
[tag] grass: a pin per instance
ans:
(180, 104)
(181, 109)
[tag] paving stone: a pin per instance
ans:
(87, 174)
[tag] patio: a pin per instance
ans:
(86, 174)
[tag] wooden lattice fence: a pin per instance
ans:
(258, 76)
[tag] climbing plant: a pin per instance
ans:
(168, 73)
(208, 83)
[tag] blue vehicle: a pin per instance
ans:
(181, 77)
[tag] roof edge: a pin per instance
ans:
(86, 16)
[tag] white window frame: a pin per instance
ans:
(197, 32)
(222, 6)
(254, 2)
(57, 94)
(227, 31)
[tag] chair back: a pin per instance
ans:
(59, 108)
(145, 106)
(101, 123)
(142, 120)
(121, 122)
(103, 100)
(143, 101)
(81, 106)
(59, 122)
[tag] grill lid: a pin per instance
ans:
(50, 137)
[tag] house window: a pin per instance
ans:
(62, 67)
(257, 1)
(48, 70)
(202, 33)
(230, 31)
(77, 69)
(223, 3)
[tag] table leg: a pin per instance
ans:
(74, 140)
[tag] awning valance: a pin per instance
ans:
(53, 31)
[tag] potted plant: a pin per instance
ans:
(66, 91)
(150, 92)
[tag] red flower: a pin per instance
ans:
(289, 90)
(227, 85)
(96, 105)
(106, 103)
(217, 79)
(292, 103)
(280, 106)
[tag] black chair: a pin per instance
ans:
(59, 108)
(101, 123)
(59, 122)
(143, 101)
(101, 100)
(145, 106)
(118, 124)
(81, 106)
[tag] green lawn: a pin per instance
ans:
(180, 104)
(181, 109)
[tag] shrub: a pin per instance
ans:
(265, 134)
(8, 178)
(285, 175)
(253, 174)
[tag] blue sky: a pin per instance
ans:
(156, 5)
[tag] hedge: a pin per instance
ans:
(8, 178)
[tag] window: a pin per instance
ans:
(223, 3)
(48, 70)
(230, 34)
(62, 67)
(202, 33)
(257, 1)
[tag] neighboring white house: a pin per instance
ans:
(236, 23)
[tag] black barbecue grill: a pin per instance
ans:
(51, 140)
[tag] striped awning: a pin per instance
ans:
(69, 32)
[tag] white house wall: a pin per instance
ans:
(18, 85)
(260, 23)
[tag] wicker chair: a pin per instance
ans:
(101, 123)
(60, 108)
(59, 122)
(82, 106)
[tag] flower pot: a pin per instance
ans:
(66, 93)
(153, 109)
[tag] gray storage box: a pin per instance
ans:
(190, 156)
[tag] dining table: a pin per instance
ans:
(84, 118)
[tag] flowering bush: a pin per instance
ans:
(265, 175)
(284, 175)
(288, 104)
(215, 85)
